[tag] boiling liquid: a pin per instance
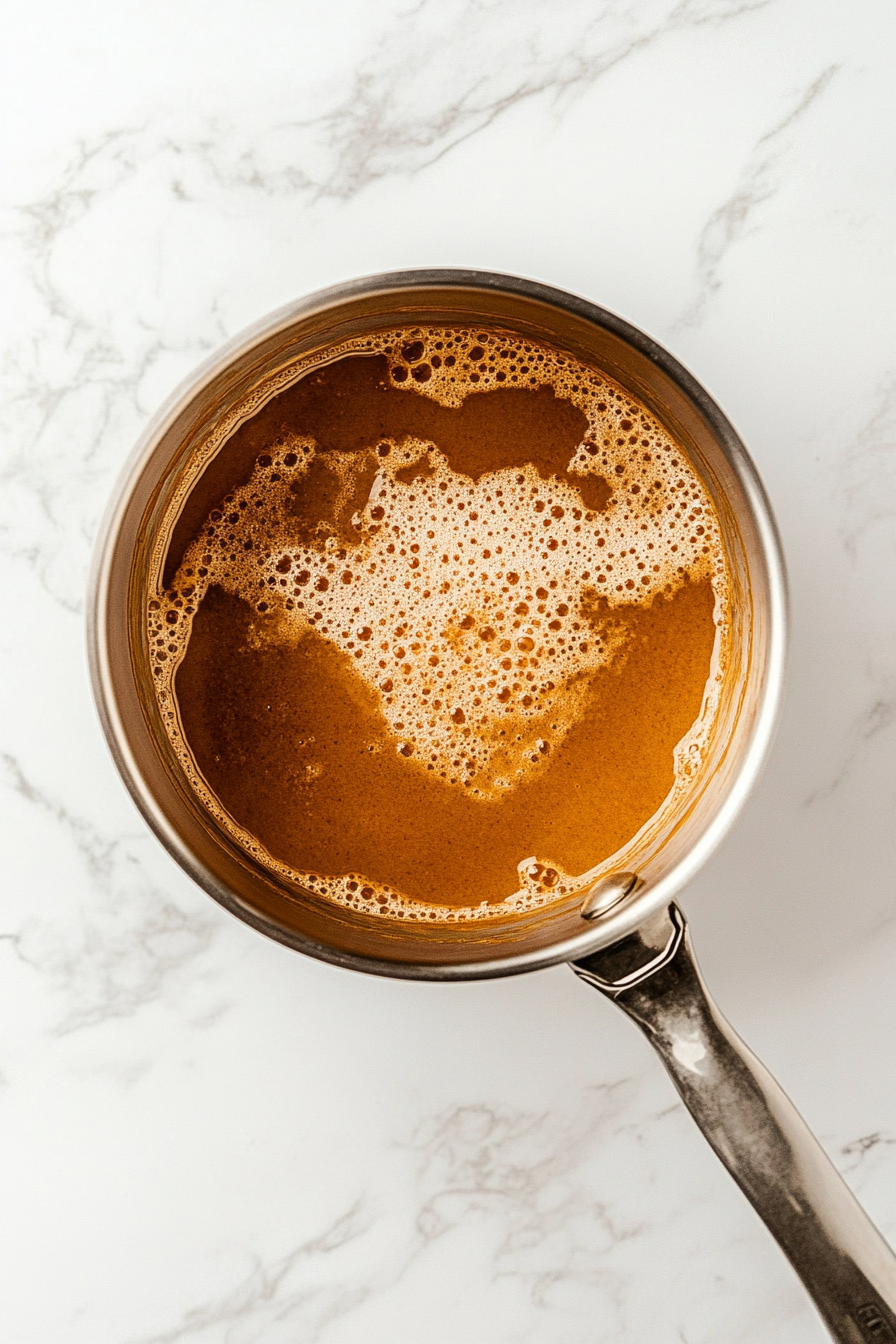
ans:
(442, 625)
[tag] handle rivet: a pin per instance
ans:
(607, 893)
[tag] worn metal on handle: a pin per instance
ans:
(843, 1261)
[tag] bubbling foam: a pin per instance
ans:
(478, 606)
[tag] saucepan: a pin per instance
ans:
(627, 937)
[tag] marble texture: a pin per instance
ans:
(205, 1138)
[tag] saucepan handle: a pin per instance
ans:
(843, 1261)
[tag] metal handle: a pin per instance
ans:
(843, 1261)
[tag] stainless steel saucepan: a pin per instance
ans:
(628, 939)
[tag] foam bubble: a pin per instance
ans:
(477, 609)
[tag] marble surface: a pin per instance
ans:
(206, 1138)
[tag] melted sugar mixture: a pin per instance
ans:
(440, 623)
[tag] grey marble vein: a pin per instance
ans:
(525, 1170)
(864, 500)
(857, 1150)
(548, 1222)
(72, 404)
(281, 1293)
(112, 953)
(876, 717)
(759, 182)
(867, 1163)
(447, 71)
(866, 479)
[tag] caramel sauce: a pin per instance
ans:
(434, 645)
(282, 732)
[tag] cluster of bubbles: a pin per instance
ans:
(448, 365)
(477, 610)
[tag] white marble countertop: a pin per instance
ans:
(207, 1138)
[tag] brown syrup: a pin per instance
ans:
(282, 732)
(405, 670)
